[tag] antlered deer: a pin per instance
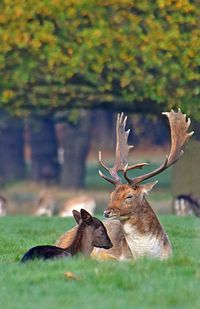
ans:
(132, 225)
(90, 233)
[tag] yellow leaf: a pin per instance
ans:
(71, 276)
(7, 94)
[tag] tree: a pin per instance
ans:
(141, 56)
(76, 147)
(44, 147)
(11, 146)
(130, 54)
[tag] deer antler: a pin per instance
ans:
(179, 137)
(121, 153)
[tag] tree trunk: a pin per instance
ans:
(76, 147)
(103, 130)
(43, 143)
(196, 128)
(12, 166)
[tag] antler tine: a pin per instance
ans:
(116, 180)
(138, 165)
(107, 178)
(179, 137)
(122, 147)
(121, 152)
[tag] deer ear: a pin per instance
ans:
(86, 217)
(148, 186)
(77, 216)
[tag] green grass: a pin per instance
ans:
(142, 284)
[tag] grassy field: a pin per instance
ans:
(142, 284)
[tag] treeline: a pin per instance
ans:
(54, 148)
(58, 56)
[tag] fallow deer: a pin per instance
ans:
(76, 203)
(3, 208)
(132, 225)
(186, 204)
(90, 233)
(45, 204)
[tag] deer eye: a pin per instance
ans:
(128, 198)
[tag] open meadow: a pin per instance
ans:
(97, 284)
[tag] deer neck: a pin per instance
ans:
(144, 233)
(143, 218)
(82, 242)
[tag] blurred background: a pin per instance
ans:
(66, 69)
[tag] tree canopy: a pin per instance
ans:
(56, 54)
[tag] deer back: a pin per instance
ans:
(45, 204)
(77, 203)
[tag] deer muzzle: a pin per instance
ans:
(112, 214)
(107, 213)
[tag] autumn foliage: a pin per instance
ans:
(56, 53)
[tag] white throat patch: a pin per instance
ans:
(142, 244)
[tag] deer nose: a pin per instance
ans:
(107, 213)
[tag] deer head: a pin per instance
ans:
(100, 237)
(129, 198)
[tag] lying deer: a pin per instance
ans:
(132, 225)
(186, 204)
(77, 203)
(90, 233)
(45, 204)
(3, 208)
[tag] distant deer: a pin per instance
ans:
(90, 233)
(132, 225)
(3, 208)
(77, 203)
(186, 204)
(45, 204)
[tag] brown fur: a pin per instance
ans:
(139, 212)
(129, 205)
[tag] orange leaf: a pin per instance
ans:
(71, 276)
